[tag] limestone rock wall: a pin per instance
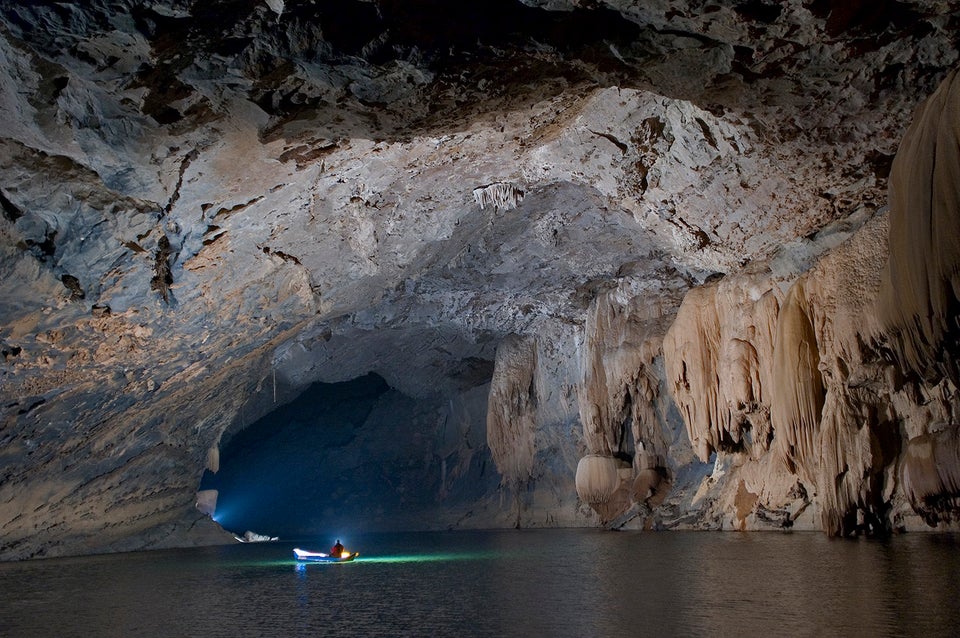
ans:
(857, 379)
(533, 431)
(511, 411)
(205, 207)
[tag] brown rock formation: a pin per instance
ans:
(840, 410)
(511, 411)
(930, 470)
(920, 296)
(207, 207)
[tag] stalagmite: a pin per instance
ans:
(597, 478)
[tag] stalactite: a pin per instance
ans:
(930, 471)
(213, 459)
(691, 349)
(511, 409)
(856, 440)
(618, 399)
(620, 390)
(718, 356)
(798, 393)
(920, 294)
(500, 195)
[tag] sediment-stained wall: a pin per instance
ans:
(844, 385)
(207, 207)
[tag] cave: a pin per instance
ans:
(355, 457)
(298, 266)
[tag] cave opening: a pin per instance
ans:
(351, 457)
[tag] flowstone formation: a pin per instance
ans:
(636, 259)
(840, 391)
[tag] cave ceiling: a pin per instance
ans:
(205, 201)
(311, 165)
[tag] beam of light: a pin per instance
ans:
(429, 558)
(385, 559)
(299, 565)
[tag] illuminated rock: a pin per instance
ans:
(194, 232)
(207, 502)
(597, 478)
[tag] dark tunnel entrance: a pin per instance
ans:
(353, 457)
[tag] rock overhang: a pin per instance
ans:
(316, 187)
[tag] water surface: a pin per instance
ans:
(502, 583)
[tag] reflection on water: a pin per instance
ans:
(504, 583)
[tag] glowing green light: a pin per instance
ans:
(393, 558)
(242, 564)
(428, 558)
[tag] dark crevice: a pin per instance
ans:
(623, 147)
(72, 284)
(282, 255)
(226, 212)
(45, 249)
(390, 29)
(8, 351)
(10, 210)
(162, 278)
(864, 17)
(32, 406)
(184, 165)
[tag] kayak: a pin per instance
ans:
(320, 557)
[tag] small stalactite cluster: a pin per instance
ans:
(500, 195)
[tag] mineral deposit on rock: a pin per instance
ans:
(670, 236)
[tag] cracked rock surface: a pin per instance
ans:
(544, 224)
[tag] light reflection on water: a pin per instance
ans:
(503, 583)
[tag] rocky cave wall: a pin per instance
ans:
(838, 389)
(635, 224)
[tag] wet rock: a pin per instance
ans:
(305, 195)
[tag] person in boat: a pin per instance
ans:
(337, 549)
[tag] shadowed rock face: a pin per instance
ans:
(498, 208)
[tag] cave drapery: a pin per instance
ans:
(712, 248)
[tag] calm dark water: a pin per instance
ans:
(503, 583)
